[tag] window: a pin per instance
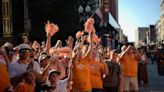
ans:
(8, 25)
(3, 8)
(4, 27)
(7, 8)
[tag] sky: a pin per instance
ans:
(137, 13)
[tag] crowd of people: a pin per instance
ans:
(83, 66)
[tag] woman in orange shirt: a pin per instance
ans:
(97, 68)
(81, 75)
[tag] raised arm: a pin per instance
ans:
(70, 66)
(50, 29)
(48, 43)
(90, 45)
(124, 52)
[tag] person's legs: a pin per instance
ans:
(133, 84)
(126, 83)
(139, 73)
(145, 75)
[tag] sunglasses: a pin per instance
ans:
(11, 52)
(24, 50)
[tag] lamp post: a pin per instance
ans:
(84, 11)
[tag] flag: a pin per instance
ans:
(99, 13)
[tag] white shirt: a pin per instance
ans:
(36, 66)
(143, 57)
(62, 86)
(16, 68)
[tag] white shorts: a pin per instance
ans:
(130, 83)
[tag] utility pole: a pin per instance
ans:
(26, 21)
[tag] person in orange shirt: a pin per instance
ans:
(97, 68)
(129, 58)
(81, 74)
(28, 85)
(4, 78)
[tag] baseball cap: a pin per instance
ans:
(24, 46)
(42, 57)
(8, 44)
(8, 48)
(54, 71)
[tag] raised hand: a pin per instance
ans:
(96, 39)
(51, 28)
(79, 34)
(89, 26)
(47, 27)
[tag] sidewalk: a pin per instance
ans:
(156, 82)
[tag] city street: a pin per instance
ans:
(156, 82)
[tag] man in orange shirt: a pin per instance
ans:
(129, 58)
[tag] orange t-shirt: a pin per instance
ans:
(81, 75)
(96, 70)
(24, 87)
(129, 66)
(4, 78)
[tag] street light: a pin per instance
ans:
(84, 13)
(80, 9)
(88, 9)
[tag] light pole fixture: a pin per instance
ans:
(80, 9)
(83, 11)
(88, 9)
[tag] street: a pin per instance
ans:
(156, 82)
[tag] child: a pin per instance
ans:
(60, 85)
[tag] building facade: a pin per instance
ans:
(141, 36)
(7, 18)
(20, 16)
(110, 22)
(159, 32)
(160, 24)
(152, 35)
(1, 25)
(113, 8)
